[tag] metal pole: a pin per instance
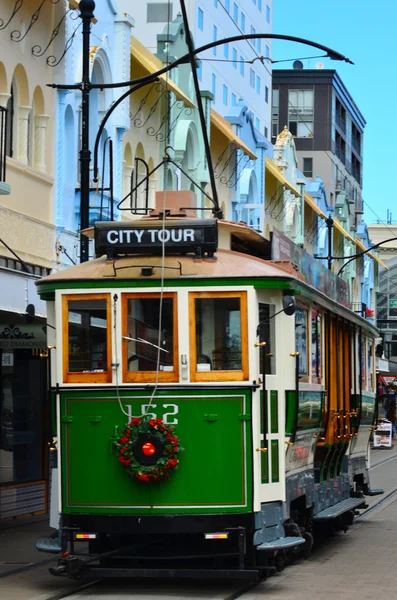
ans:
(330, 223)
(86, 8)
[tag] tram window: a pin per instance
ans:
(218, 336)
(149, 337)
(370, 374)
(86, 341)
(362, 361)
(301, 316)
(268, 335)
(316, 346)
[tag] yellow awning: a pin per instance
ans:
(225, 128)
(151, 64)
(273, 169)
(310, 202)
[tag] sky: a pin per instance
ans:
(364, 31)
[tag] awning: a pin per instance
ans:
(152, 64)
(272, 168)
(310, 202)
(225, 128)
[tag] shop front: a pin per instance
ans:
(23, 407)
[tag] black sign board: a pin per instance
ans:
(198, 236)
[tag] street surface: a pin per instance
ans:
(357, 564)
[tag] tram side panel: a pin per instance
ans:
(214, 473)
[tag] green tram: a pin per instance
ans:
(212, 407)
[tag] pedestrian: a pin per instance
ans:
(392, 415)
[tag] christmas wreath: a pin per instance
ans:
(148, 449)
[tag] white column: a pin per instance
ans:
(40, 127)
(23, 133)
(127, 170)
(4, 99)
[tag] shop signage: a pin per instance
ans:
(22, 336)
(199, 236)
(313, 271)
(392, 308)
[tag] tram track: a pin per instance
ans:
(174, 592)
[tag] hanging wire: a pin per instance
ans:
(167, 127)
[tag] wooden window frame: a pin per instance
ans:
(213, 376)
(80, 377)
(149, 376)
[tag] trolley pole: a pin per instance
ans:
(86, 8)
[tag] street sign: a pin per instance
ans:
(199, 236)
(392, 308)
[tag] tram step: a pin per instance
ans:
(375, 492)
(338, 509)
(282, 543)
(51, 545)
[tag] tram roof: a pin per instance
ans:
(227, 264)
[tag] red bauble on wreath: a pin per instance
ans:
(149, 449)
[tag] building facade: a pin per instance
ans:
(227, 69)
(328, 128)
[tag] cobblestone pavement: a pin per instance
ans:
(359, 563)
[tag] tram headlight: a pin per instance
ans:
(148, 449)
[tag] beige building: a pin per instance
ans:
(27, 249)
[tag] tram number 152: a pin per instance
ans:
(168, 417)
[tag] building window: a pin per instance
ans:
(242, 22)
(227, 5)
(267, 51)
(242, 65)
(234, 100)
(224, 94)
(257, 124)
(340, 115)
(213, 86)
(159, 12)
(218, 336)
(258, 85)
(142, 362)
(86, 338)
(356, 139)
(235, 13)
(214, 38)
(340, 147)
(266, 94)
(234, 57)
(266, 133)
(200, 19)
(275, 109)
(301, 112)
(356, 169)
(226, 50)
(252, 78)
(260, 5)
(308, 167)
(216, 3)
(267, 14)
